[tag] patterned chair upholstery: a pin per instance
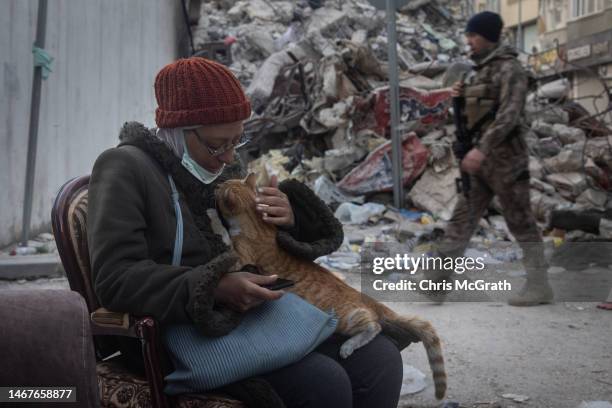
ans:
(118, 387)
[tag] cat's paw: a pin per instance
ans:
(346, 350)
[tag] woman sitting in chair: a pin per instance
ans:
(132, 228)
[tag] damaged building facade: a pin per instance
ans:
(569, 38)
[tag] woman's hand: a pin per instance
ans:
(274, 205)
(242, 291)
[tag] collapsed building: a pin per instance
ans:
(316, 73)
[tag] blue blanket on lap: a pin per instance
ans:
(270, 336)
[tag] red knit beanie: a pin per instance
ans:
(198, 91)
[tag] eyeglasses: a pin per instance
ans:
(237, 143)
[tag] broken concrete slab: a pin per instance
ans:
(591, 198)
(568, 134)
(543, 129)
(569, 185)
(260, 9)
(30, 266)
(335, 116)
(599, 149)
(436, 192)
(545, 113)
(326, 20)
(542, 186)
(338, 159)
(543, 204)
(548, 147)
(565, 162)
(553, 90)
(262, 41)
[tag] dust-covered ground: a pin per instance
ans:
(557, 355)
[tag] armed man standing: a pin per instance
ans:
(497, 162)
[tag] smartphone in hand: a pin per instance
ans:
(279, 284)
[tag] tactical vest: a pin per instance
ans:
(481, 98)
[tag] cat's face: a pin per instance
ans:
(235, 197)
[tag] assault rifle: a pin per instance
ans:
(462, 145)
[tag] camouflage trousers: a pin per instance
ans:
(505, 174)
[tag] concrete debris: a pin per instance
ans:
(542, 186)
(542, 204)
(436, 192)
(268, 165)
(564, 162)
(605, 228)
(548, 147)
(553, 90)
(568, 135)
(592, 198)
(317, 77)
(42, 244)
(338, 159)
(569, 185)
(545, 113)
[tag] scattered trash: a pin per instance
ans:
(516, 397)
(413, 215)
(25, 250)
(570, 306)
(375, 172)
(436, 192)
(317, 76)
(449, 404)
(413, 381)
(340, 260)
(553, 270)
(330, 194)
(358, 214)
(426, 107)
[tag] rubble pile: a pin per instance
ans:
(316, 74)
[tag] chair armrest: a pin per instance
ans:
(105, 322)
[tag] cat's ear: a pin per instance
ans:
(251, 181)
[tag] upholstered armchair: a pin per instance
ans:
(118, 387)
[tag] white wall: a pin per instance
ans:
(107, 53)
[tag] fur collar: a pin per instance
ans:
(198, 197)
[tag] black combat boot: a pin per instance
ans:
(537, 290)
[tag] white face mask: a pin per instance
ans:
(195, 169)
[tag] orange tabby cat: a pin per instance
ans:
(360, 317)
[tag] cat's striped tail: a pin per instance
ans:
(424, 331)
